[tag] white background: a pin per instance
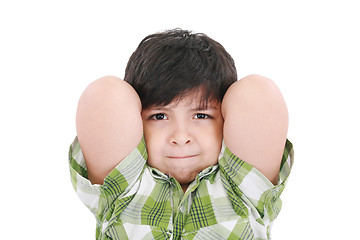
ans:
(51, 50)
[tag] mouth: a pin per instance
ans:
(182, 157)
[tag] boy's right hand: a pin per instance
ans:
(108, 124)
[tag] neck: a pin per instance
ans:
(184, 187)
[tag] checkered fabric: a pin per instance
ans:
(231, 200)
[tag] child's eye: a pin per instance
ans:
(201, 116)
(158, 116)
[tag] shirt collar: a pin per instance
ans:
(156, 173)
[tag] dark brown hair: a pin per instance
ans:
(174, 63)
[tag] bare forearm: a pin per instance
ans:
(256, 123)
(109, 125)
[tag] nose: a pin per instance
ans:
(181, 135)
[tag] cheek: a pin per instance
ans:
(212, 138)
(218, 137)
(218, 130)
(153, 140)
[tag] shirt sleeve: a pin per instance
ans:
(118, 183)
(254, 189)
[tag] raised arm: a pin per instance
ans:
(256, 123)
(108, 124)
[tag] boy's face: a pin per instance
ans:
(182, 139)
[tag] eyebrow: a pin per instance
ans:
(199, 108)
(202, 108)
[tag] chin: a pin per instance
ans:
(184, 178)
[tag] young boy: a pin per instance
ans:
(181, 149)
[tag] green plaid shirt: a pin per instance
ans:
(231, 200)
